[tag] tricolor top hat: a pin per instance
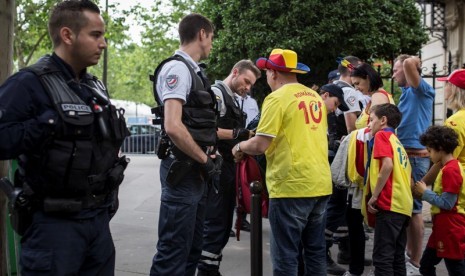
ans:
(284, 61)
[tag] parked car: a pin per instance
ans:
(144, 139)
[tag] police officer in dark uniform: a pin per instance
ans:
(187, 107)
(221, 196)
(58, 121)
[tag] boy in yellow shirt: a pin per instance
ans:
(388, 190)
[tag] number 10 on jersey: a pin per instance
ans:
(313, 112)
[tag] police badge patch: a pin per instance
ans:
(351, 100)
(172, 81)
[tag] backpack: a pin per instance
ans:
(247, 171)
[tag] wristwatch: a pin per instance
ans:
(238, 147)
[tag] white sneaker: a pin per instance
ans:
(347, 273)
(411, 269)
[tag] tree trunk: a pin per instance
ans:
(7, 11)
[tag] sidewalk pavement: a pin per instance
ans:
(134, 227)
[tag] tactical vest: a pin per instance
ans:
(199, 113)
(79, 158)
(233, 118)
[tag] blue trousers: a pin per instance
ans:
(62, 246)
(298, 222)
(180, 223)
(336, 223)
(219, 217)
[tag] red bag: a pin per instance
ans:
(247, 171)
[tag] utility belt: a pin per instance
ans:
(73, 205)
(166, 148)
(23, 201)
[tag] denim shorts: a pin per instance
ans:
(420, 166)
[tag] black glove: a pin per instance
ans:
(212, 167)
(49, 117)
(241, 134)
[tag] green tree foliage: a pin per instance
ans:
(159, 39)
(31, 33)
(128, 74)
(319, 31)
(130, 65)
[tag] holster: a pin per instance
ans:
(20, 208)
(116, 174)
(163, 147)
(178, 170)
(21, 219)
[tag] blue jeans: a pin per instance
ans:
(180, 224)
(296, 221)
(420, 166)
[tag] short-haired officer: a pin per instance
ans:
(58, 121)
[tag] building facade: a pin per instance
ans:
(444, 52)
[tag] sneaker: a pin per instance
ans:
(407, 257)
(412, 270)
(347, 273)
(334, 269)
(208, 273)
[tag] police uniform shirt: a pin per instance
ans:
(249, 106)
(174, 80)
(219, 94)
(353, 98)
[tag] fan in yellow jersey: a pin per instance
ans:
(454, 94)
(292, 134)
(448, 203)
(368, 81)
(388, 190)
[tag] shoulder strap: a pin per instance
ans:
(342, 84)
(43, 66)
(228, 101)
(153, 78)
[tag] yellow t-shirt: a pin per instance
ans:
(457, 123)
(451, 179)
(297, 158)
(364, 117)
(396, 195)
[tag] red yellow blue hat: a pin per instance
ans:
(284, 61)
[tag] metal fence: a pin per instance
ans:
(144, 139)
